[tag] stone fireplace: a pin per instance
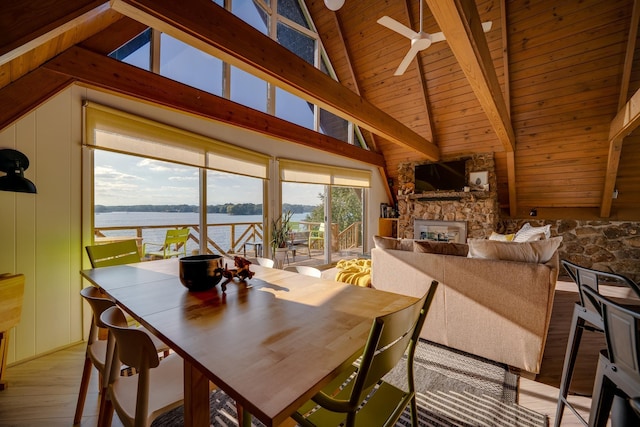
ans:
(477, 209)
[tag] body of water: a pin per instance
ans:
(221, 235)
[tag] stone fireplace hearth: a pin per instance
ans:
(478, 209)
(441, 231)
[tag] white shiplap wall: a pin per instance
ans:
(41, 232)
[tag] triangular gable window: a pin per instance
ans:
(286, 21)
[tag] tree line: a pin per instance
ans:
(227, 208)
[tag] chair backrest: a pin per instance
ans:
(101, 358)
(621, 330)
(11, 295)
(176, 237)
(98, 301)
(308, 271)
(265, 262)
(134, 346)
(586, 277)
(389, 338)
(116, 253)
(317, 231)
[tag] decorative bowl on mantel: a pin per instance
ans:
(201, 272)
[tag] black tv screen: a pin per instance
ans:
(448, 176)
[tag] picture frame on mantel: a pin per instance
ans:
(479, 180)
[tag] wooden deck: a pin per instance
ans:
(43, 391)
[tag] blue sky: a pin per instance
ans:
(128, 180)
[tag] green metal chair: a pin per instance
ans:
(116, 253)
(316, 238)
(358, 396)
(298, 238)
(175, 244)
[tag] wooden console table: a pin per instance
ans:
(11, 295)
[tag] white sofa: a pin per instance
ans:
(496, 309)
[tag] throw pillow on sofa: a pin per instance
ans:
(529, 233)
(501, 237)
(442, 248)
(539, 251)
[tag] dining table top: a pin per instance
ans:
(270, 343)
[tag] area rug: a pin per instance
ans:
(453, 389)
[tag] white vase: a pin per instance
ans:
(279, 256)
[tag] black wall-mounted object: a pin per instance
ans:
(14, 163)
(442, 176)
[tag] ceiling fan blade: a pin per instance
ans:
(406, 60)
(436, 37)
(486, 26)
(394, 25)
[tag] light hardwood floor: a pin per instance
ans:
(44, 391)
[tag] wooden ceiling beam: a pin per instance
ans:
(26, 26)
(628, 58)
(623, 120)
(352, 75)
(113, 37)
(460, 22)
(422, 79)
(511, 161)
(210, 28)
(100, 71)
(28, 92)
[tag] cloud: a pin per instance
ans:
(183, 178)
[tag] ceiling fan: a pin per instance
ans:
(419, 41)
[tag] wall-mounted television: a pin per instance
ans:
(442, 176)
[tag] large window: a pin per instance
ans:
(178, 60)
(248, 90)
(294, 109)
(137, 52)
(141, 199)
(147, 178)
(336, 197)
(286, 21)
(298, 43)
(251, 12)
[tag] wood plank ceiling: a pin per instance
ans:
(565, 64)
(564, 71)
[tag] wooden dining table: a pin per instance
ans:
(270, 343)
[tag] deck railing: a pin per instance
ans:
(224, 239)
(350, 237)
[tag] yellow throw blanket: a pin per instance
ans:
(354, 271)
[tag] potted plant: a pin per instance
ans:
(280, 229)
